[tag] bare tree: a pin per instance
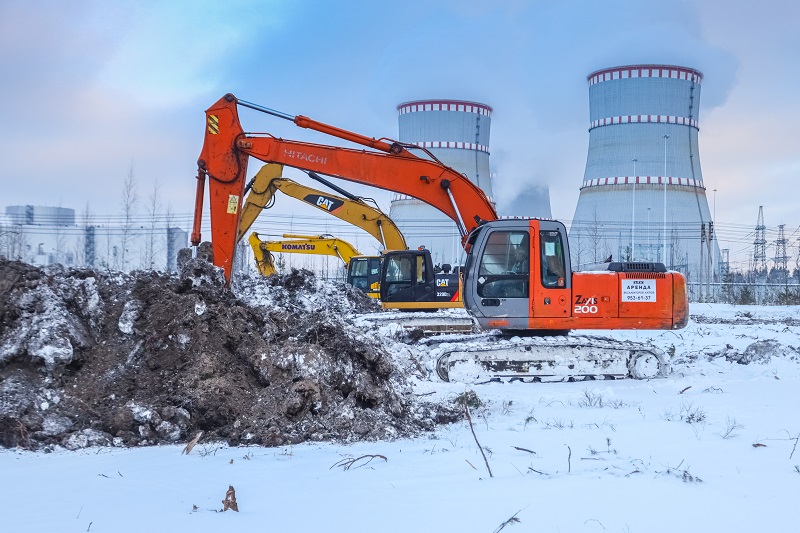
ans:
(14, 242)
(595, 237)
(111, 261)
(58, 235)
(577, 251)
(152, 246)
(169, 218)
(21, 245)
(128, 205)
(280, 263)
(85, 254)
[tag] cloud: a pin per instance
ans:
(93, 86)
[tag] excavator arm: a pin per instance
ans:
(389, 165)
(352, 209)
(299, 244)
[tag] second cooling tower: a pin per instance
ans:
(642, 196)
(456, 132)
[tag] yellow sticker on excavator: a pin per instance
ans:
(233, 204)
(213, 124)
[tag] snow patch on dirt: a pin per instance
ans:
(90, 358)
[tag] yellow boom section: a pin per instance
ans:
(354, 210)
(299, 244)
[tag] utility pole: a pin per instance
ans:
(633, 209)
(714, 220)
(760, 244)
(781, 259)
(665, 197)
(710, 246)
(701, 270)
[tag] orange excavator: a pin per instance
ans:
(517, 278)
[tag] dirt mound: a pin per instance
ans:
(92, 358)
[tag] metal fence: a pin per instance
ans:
(745, 293)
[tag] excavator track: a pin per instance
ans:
(546, 359)
(434, 323)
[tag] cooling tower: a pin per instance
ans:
(533, 202)
(642, 196)
(457, 134)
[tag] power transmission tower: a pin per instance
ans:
(725, 267)
(760, 244)
(781, 259)
(797, 261)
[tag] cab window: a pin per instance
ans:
(553, 266)
(504, 265)
(359, 267)
(359, 274)
(420, 270)
(399, 269)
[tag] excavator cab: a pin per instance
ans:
(517, 269)
(407, 276)
(409, 282)
(364, 273)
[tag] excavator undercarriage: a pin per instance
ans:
(483, 358)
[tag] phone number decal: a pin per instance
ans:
(639, 290)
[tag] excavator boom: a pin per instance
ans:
(227, 147)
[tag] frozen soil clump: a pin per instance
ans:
(92, 358)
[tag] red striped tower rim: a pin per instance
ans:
(645, 71)
(463, 106)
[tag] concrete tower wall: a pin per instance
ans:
(457, 133)
(642, 195)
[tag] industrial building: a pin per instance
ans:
(43, 235)
(642, 197)
(456, 132)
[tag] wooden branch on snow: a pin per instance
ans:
(348, 462)
(469, 418)
(188, 448)
(512, 520)
(569, 461)
(524, 450)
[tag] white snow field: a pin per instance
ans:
(712, 447)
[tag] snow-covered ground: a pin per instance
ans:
(713, 447)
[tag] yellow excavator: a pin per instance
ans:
(430, 289)
(363, 271)
(299, 244)
(350, 208)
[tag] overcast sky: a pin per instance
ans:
(92, 89)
